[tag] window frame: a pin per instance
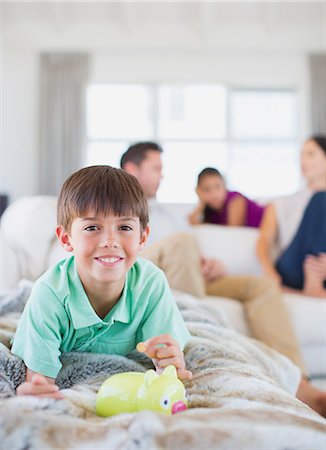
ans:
(228, 139)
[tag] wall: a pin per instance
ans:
(246, 54)
(20, 99)
(237, 68)
(19, 123)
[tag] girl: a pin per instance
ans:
(219, 206)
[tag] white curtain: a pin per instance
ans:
(317, 65)
(62, 118)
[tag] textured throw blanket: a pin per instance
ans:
(240, 397)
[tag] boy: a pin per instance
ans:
(101, 299)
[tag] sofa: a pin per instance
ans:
(29, 247)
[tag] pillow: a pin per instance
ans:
(235, 247)
(28, 228)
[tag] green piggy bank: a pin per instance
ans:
(135, 391)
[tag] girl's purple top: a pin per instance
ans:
(253, 217)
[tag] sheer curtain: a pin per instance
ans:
(62, 118)
(317, 65)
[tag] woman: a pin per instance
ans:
(219, 206)
(297, 223)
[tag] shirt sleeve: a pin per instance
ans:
(162, 314)
(38, 337)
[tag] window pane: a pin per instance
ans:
(263, 114)
(264, 171)
(118, 112)
(182, 161)
(260, 158)
(105, 153)
(191, 111)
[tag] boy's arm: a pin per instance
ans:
(39, 333)
(162, 315)
(163, 330)
(38, 385)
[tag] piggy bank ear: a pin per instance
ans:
(149, 377)
(170, 372)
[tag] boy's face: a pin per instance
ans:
(211, 190)
(105, 247)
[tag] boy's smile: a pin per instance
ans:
(108, 260)
(105, 248)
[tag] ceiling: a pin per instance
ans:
(166, 25)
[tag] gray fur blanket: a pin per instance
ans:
(240, 397)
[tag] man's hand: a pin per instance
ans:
(39, 386)
(212, 269)
(165, 351)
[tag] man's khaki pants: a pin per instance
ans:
(268, 319)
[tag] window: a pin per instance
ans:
(191, 112)
(249, 135)
(263, 142)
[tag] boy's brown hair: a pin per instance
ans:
(101, 190)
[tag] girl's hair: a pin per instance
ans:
(101, 190)
(320, 141)
(208, 171)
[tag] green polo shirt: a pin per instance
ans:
(59, 317)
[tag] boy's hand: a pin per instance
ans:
(165, 351)
(39, 386)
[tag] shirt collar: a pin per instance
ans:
(81, 310)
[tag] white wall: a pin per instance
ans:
(243, 54)
(20, 99)
(235, 68)
(19, 123)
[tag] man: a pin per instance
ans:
(186, 270)
(143, 160)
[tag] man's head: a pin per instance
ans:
(143, 160)
(101, 190)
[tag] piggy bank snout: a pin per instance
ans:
(178, 406)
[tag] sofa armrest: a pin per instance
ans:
(27, 232)
(11, 270)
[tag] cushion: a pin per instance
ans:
(235, 247)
